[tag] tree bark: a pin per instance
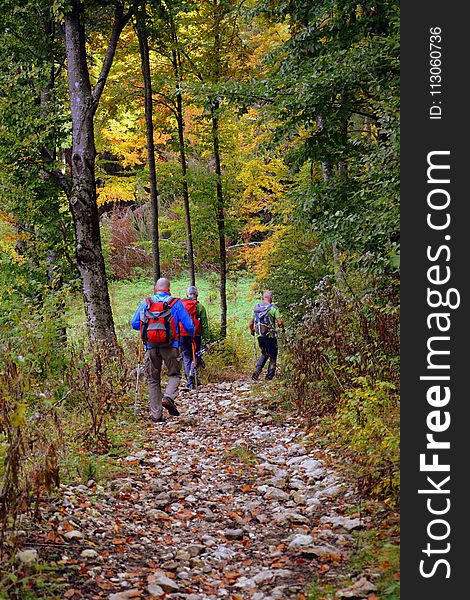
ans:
(184, 169)
(145, 60)
(220, 205)
(82, 200)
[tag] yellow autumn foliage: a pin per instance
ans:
(116, 189)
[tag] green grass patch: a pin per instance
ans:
(125, 296)
(29, 582)
(242, 454)
(375, 554)
(123, 435)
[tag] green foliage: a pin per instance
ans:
(36, 252)
(99, 382)
(52, 398)
(367, 425)
(334, 91)
(285, 264)
(376, 551)
(29, 582)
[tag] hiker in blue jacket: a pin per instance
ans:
(158, 351)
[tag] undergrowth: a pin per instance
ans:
(341, 370)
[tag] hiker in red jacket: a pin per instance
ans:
(190, 345)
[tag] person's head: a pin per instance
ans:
(191, 292)
(162, 285)
(268, 296)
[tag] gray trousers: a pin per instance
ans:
(154, 357)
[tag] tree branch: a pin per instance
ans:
(120, 20)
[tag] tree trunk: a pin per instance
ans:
(82, 200)
(180, 120)
(220, 220)
(145, 59)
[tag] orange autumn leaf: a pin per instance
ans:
(118, 541)
(232, 575)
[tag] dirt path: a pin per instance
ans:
(230, 502)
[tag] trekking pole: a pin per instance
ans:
(193, 347)
(139, 358)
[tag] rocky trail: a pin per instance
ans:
(233, 501)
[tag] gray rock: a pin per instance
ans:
(272, 493)
(233, 534)
(360, 589)
(155, 590)
(277, 482)
(298, 498)
(137, 456)
(89, 553)
(306, 544)
(300, 540)
(329, 492)
(182, 555)
(155, 514)
(290, 517)
(222, 552)
(321, 550)
(196, 549)
(344, 522)
(263, 577)
(245, 583)
(162, 500)
(167, 584)
(73, 535)
(126, 595)
(28, 556)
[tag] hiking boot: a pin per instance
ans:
(255, 376)
(170, 405)
(155, 420)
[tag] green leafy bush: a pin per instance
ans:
(367, 425)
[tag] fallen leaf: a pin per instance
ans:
(231, 574)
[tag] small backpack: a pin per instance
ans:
(157, 324)
(190, 305)
(262, 318)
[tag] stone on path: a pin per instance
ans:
(360, 589)
(344, 522)
(126, 595)
(226, 506)
(28, 556)
(161, 580)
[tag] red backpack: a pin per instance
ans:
(157, 324)
(191, 306)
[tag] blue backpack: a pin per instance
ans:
(263, 321)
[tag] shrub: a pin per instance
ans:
(53, 399)
(367, 427)
(337, 339)
(123, 252)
